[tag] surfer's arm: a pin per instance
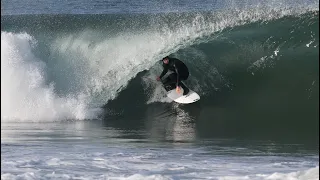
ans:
(164, 72)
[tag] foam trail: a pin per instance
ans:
(154, 89)
(25, 95)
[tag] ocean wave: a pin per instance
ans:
(69, 64)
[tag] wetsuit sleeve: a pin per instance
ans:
(177, 74)
(164, 72)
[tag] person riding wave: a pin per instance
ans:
(180, 73)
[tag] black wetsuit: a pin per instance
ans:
(180, 73)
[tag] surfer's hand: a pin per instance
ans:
(158, 78)
(178, 89)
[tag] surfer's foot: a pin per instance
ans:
(185, 91)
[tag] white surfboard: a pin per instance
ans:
(191, 97)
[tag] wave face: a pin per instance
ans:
(255, 63)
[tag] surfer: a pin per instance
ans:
(180, 73)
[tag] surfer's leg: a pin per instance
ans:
(170, 81)
(185, 89)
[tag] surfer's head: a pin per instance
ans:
(165, 60)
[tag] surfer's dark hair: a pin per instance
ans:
(167, 57)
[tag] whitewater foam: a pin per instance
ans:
(310, 174)
(25, 94)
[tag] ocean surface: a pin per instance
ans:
(79, 99)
